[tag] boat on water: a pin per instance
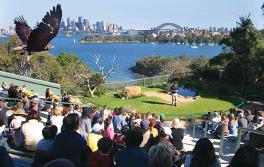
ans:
(74, 41)
(153, 43)
(178, 43)
(3, 36)
(68, 35)
(193, 46)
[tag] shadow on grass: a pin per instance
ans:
(155, 102)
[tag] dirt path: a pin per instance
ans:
(167, 97)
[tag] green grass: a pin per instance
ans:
(156, 105)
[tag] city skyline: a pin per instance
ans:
(140, 15)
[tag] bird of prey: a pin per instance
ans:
(38, 39)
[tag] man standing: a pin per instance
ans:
(174, 90)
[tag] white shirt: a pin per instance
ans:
(16, 122)
(57, 121)
(32, 133)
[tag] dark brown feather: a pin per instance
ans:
(45, 31)
(22, 29)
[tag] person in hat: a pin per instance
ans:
(95, 136)
(174, 90)
(177, 134)
(19, 116)
(146, 132)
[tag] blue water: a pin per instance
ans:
(126, 53)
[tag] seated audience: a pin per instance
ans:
(160, 156)
(146, 133)
(44, 150)
(56, 118)
(133, 155)
(246, 156)
(95, 136)
(119, 120)
(233, 125)
(15, 126)
(177, 132)
(242, 121)
(71, 145)
(101, 157)
(203, 155)
(31, 131)
(108, 128)
(152, 128)
(85, 122)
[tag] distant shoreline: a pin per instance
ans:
(107, 42)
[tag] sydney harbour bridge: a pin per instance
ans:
(164, 25)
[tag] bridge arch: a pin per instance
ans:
(168, 24)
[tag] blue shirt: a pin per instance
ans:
(118, 122)
(72, 146)
(132, 157)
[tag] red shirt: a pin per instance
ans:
(97, 159)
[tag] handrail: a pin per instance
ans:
(247, 130)
(200, 113)
(53, 102)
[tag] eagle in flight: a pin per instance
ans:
(38, 39)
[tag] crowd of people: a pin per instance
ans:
(86, 136)
(238, 119)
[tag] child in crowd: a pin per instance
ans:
(101, 157)
(44, 149)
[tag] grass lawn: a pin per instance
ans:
(156, 105)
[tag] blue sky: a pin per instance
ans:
(139, 14)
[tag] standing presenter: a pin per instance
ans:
(174, 90)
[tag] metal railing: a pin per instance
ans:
(149, 81)
(240, 130)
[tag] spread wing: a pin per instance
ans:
(46, 30)
(22, 29)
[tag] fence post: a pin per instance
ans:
(193, 132)
(206, 129)
(238, 139)
(116, 87)
(221, 141)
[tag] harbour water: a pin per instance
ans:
(126, 53)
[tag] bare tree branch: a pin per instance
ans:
(97, 60)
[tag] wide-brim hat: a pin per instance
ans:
(19, 112)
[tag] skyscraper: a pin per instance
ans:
(86, 24)
(80, 24)
(68, 22)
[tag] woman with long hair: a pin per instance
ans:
(203, 155)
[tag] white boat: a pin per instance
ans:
(193, 46)
(178, 43)
(74, 40)
(3, 36)
(68, 35)
(153, 43)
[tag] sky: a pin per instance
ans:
(139, 14)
